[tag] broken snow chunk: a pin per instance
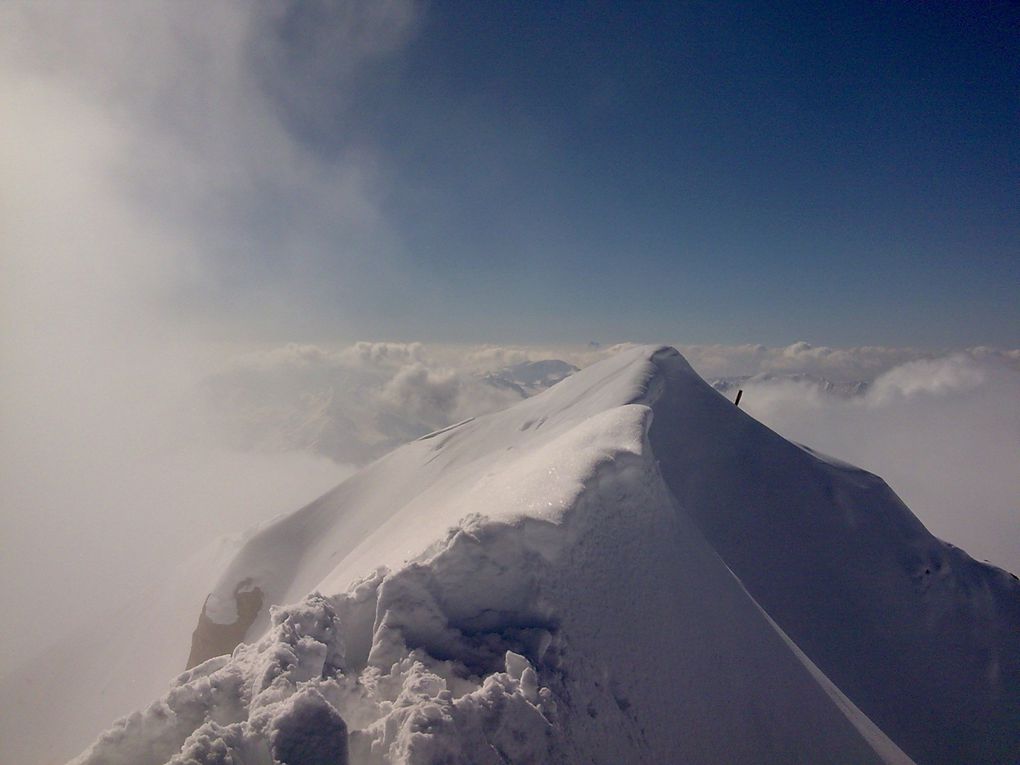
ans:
(308, 732)
(419, 684)
(212, 744)
(529, 685)
(516, 664)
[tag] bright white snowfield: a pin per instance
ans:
(625, 568)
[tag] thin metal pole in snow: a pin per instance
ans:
(739, 394)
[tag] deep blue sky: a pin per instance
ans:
(844, 173)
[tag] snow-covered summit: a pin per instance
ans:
(624, 568)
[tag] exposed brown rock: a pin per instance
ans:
(212, 639)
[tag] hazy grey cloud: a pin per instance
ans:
(174, 115)
(146, 166)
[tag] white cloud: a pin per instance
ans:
(491, 357)
(352, 403)
(419, 393)
(383, 354)
(836, 364)
(954, 374)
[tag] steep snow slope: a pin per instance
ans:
(536, 585)
(923, 638)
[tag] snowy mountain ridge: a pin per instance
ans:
(624, 568)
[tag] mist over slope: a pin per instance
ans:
(357, 403)
(623, 568)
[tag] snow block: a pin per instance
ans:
(308, 732)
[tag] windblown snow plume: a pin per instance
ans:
(625, 568)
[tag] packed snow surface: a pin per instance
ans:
(625, 568)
